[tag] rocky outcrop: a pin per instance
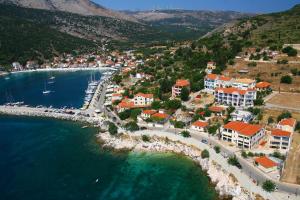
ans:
(82, 7)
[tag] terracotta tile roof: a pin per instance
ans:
(126, 104)
(149, 96)
(265, 162)
(216, 109)
(149, 112)
(288, 122)
(212, 76)
(243, 128)
(160, 115)
(263, 85)
(232, 90)
(280, 133)
(182, 83)
(200, 124)
(116, 95)
(225, 78)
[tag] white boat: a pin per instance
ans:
(52, 78)
(51, 82)
(45, 90)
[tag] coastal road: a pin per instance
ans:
(248, 168)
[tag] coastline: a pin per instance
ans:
(224, 183)
(59, 69)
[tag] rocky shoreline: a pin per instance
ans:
(225, 183)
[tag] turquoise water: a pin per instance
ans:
(68, 88)
(57, 160)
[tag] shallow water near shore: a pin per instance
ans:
(50, 159)
(67, 89)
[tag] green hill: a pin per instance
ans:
(272, 29)
(22, 40)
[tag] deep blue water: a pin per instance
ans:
(67, 90)
(43, 159)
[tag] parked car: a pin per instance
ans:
(204, 141)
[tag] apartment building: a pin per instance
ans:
(243, 83)
(242, 134)
(213, 81)
(280, 139)
(143, 100)
(287, 124)
(176, 89)
(235, 97)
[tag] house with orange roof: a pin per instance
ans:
(181, 83)
(280, 139)
(266, 164)
(235, 97)
(143, 100)
(159, 118)
(146, 114)
(242, 134)
(217, 110)
(125, 104)
(263, 86)
(199, 126)
(287, 124)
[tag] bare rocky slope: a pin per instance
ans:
(82, 7)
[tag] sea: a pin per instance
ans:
(48, 159)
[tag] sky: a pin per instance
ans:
(253, 6)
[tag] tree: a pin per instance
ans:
(145, 138)
(184, 95)
(284, 115)
(185, 134)
(234, 161)
(132, 126)
(269, 186)
(155, 105)
(217, 149)
(172, 104)
(179, 124)
(244, 154)
(286, 79)
(125, 114)
(213, 129)
(204, 154)
(270, 120)
(112, 128)
(134, 113)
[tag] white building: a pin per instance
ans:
(243, 83)
(141, 99)
(199, 126)
(242, 134)
(241, 115)
(280, 139)
(210, 67)
(176, 89)
(235, 97)
(287, 124)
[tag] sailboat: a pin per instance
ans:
(45, 90)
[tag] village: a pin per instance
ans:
(228, 110)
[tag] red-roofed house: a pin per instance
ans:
(242, 134)
(125, 104)
(266, 164)
(217, 110)
(280, 139)
(263, 86)
(116, 97)
(235, 97)
(146, 114)
(199, 126)
(176, 89)
(287, 124)
(143, 100)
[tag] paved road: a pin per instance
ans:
(247, 168)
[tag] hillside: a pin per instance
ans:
(269, 29)
(82, 7)
(187, 24)
(23, 40)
